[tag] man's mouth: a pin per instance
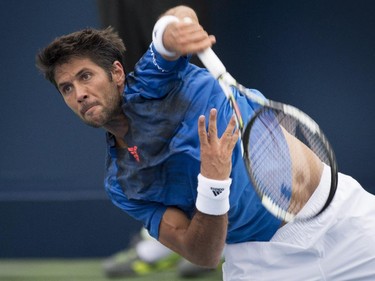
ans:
(87, 107)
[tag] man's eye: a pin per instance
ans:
(66, 89)
(86, 76)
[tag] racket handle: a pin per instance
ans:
(210, 60)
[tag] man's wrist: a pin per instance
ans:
(157, 35)
(213, 196)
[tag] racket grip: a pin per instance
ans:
(210, 60)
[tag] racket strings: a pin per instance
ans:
(272, 160)
(268, 151)
(311, 140)
(273, 165)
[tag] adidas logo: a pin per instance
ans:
(216, 191)
(133, 151)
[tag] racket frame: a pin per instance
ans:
(214, 65)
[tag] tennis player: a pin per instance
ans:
(174, 160)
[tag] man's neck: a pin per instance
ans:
(118, 127)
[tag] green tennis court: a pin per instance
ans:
(75, 270)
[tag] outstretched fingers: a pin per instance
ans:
(229, 137)
(216, 152)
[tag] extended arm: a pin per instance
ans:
(202, 239)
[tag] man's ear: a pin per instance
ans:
(118, 73)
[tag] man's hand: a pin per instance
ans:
(186, 38)
(216, 153)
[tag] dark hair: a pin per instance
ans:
(103, 47)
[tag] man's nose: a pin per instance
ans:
(81, 93)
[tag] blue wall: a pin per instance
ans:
(44, 148)
(52, 201)
(318, 55)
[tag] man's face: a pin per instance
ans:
(89, 92)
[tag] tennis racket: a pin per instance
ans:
(283, 149)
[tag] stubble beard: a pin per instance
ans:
(106, 115)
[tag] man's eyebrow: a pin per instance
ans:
(61, 85)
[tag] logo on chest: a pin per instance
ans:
(134, 151)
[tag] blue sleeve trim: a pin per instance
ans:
(166, 65)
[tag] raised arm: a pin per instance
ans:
(202, 239)
(175, 36)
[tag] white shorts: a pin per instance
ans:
(337, 245)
